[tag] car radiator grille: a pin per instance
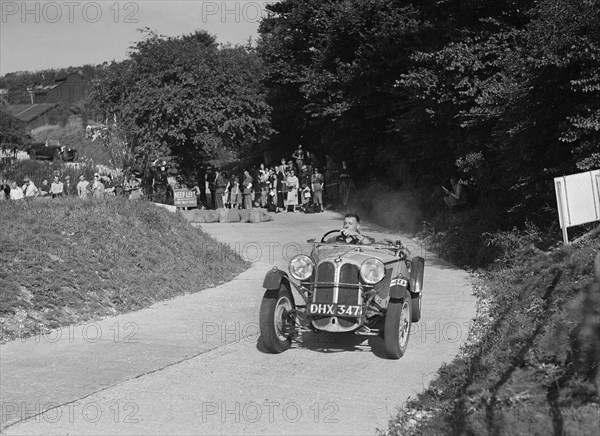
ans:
(346, 294)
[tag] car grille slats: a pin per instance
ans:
(325, 273)
(348, 294)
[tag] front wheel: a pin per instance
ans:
(277, 319)
(397, 327)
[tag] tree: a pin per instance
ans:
(12, 132)
(186, 97)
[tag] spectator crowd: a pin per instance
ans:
(296, 184)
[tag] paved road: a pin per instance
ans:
(192, 365)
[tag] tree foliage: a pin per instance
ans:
(506, 91)
(184, 96)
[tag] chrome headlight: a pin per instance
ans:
(372, 271)
(301, 267)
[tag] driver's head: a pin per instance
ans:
(351, 221)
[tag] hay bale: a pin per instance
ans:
(233, 216)
(254, 216)
(211, 216)
(265, 217)
(188, 214)
(198, 216)
(244, 215)
(222, 215)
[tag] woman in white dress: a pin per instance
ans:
(292, 184)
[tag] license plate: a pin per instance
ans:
(335, 309)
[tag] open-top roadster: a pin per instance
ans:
(344, 288)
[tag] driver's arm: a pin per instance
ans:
(364, 240)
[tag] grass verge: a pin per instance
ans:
(531, 365)
(68, 261)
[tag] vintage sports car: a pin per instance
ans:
(371, 290)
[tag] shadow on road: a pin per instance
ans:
(325, 342)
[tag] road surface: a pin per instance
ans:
(192, 365)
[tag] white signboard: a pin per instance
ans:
(578, 199)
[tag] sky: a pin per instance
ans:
(37, 35)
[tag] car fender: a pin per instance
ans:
(398, 287)
(274, 278)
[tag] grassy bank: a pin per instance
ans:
(531, 366)
(69, 261)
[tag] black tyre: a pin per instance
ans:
(416, 287)
(397, 327)
(275, 320)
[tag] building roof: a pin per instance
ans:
(41, 89)
(28, 112)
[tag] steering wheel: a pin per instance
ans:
(354, 238)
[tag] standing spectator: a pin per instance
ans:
(292, 194)
(283, 165)
(263, 178)
(236, 194)
(5, 190)
(220, 185)
(227, 193)
(210, 179)
(29, 188)
(299, 156)
(57, 188)
(98, 188)
(345, 184)
(317, 187)
(16, 193)
(247, 190)
(45, 188)
(68, 189)
(83, 187)
(281, 187)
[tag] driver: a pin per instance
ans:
(350, 232)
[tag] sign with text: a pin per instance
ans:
(578, 199)
(184, 198)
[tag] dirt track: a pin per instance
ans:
(192, 365)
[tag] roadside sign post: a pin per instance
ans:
(578, 200)
(184, 198)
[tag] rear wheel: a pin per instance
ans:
(416, 287)
(397, 327)
(276, 319)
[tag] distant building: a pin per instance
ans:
(32, 115)
(67, 90)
